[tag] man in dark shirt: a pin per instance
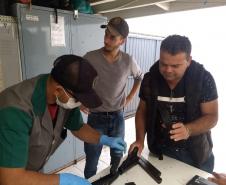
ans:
(178, 106)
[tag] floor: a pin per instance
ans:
(218, 135)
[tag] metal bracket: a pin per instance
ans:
(131, 161)
(150, 169)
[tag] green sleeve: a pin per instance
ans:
(15, 126)
(75, 121)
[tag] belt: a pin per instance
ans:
(107, 113)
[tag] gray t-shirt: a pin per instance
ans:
(111, 82)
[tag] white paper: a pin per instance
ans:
(57, 31)
(32, 17)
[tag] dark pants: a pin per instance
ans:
(185, 156)
(112, 125)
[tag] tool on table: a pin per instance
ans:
(131, 161)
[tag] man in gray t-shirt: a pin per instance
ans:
(113, 67)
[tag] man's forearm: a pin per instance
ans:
(202, 125)
(17, 176)
(207, 120)
(87, 134)
(140, 120)
(134, 89)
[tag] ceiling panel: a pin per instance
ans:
(137, 8)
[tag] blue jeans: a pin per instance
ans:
(110, 125)
(184, 156)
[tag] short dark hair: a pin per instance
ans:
(175, 44)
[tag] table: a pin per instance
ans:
(173, 172)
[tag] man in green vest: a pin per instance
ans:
(35, 115)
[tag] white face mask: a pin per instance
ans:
(70, 104)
